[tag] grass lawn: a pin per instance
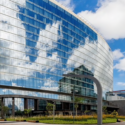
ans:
(89, 121)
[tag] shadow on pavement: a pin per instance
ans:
(7, 122)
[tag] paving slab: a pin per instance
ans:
(28, 123)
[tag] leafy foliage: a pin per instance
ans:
(85, 119)
(78, 100)
(50, 107)
(5, 110)
(19, 113)
(104, 109)
(86, 111)
(0, 105)
(27, 111)
(114, 113)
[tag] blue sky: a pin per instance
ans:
(108, 18)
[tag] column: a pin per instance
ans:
(1, 106)
(36, 104)
(25, 103)
(62, 106)
(13, 107)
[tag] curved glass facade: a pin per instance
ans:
(40, 41)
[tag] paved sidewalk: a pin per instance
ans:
(28, 123)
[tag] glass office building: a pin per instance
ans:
(40, 40)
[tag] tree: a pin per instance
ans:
(19, 113)
(104, 109)
(114, 113)
(77, 100)
(0, 107)
(27, 111)
(5, 110)
(50, 107)
(86, 111)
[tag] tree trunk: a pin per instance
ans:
(76, 111)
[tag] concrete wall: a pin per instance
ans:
(121, 106)
(114, 97)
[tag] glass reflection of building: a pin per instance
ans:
(84, 87)
(40, 40)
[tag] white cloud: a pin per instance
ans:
(120, 65)
(67, 3)
(121, 83)
(14, 84)
(117, 54)
(108, 19)
(95, 56)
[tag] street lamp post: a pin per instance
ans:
(99, 95)
(73, 104)
(53, 111)
(73, 95)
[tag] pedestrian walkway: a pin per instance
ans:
(28, 123)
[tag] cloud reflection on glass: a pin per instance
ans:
(40, 42)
